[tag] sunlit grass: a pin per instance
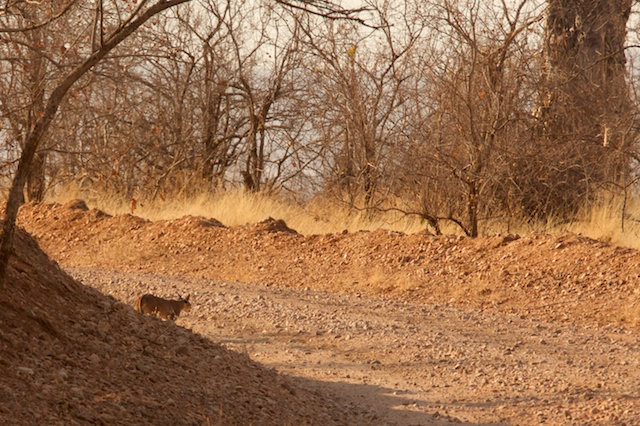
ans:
(321, 216)
(237, 207)
(606, 221)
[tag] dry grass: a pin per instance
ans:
(237, 207)
(604, 222)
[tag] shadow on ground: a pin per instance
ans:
(401, 410)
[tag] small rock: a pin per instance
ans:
(105, 305)
(25, 371)
(183, 350)
(77, 392)
(143, 367)
(107, 419)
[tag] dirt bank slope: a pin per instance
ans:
(70, 355)
(568, 277)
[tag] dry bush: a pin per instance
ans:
(443, 119)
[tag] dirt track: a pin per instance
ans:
(412, 364)
(422, 330)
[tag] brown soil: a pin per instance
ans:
(414, 328)
(70, 355)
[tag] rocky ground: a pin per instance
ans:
(398, 329)
(70, 355)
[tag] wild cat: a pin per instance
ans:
(165, 309)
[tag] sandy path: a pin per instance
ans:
(412, 364)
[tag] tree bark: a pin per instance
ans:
(585, 103)
(37, 177)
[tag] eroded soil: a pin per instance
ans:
(399, 329)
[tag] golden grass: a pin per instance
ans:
(604, 222)
(238, 207)
(320, 216)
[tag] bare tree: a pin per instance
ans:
(158, 118)
(221, 131)
(468, 133)
(203, 94)
(29, 56)
(357, 79)
(260, 85)
(107, 29)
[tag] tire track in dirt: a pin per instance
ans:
(411, 363)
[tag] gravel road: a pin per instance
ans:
(411, 364)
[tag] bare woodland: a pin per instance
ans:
(454, 111)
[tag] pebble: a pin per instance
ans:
(25, 371)
(77, 392)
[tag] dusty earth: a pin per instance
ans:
(366, 328)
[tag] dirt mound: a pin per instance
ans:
(566, 277)
(77, 204)
(70, 355)
(271, 225)
(194, 222)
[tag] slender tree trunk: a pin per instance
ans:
(252, 169)
(36, 178)
(472, 208)
(37, 68)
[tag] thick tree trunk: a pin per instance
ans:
(585, 107)
(16, 194)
